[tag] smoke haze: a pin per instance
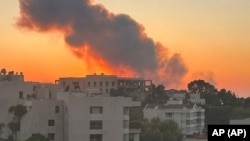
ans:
(113, 43)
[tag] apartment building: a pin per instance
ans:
(193, 97)
(190, 119)
(96, 118)
(44, 116)
(196, 99)
(15, 90)
(81, 113)
(136, 87)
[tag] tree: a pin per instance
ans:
(206, 90)
(3, 71)
(240, 113)
(158, 96)
(157, 130)
(18, 112)
(201, 87)
(228, 98)
(37, 137)
(246, 102)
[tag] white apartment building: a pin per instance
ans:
(193, 98)
(44, 116)
(177, 96)
(196, 99)
(77, 116)
(73, 115)
(190, 120)
(15, 90)
(96, 118)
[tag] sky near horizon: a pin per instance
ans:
(212, 36)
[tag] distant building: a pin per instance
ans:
(195, 99)
(136, 87)
(176, 96)
(190, 119)
(180, 96)
(11, 76)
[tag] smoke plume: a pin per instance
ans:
(112, 43)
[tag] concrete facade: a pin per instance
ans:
(68, 115)
(136, 87)
(111, 115)
(15, 90)
(46, 116)
(190, 120)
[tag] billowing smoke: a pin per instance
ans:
(94, 33)
(208, 76)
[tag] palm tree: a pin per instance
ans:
(18, 112)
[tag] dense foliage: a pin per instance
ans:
(157, 130)
(221, 105)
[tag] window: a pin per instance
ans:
(168, 114)
(21, 94)
(95, 137)
(88, 84)
(51, 136)
(57, 109)
(51, 122)
(113, 83)
(50, 95)
(64, 84)
(96, 110)
(94, 84)
(96, 124)
(125, 137)
(125, 124)
(100, 84)
(107, 83)
(76, 83)
(131, 137)
(34, 88)
(125, 111)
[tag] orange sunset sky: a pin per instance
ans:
(212, 36)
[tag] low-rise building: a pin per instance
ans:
(196, 99)
(190, 119)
